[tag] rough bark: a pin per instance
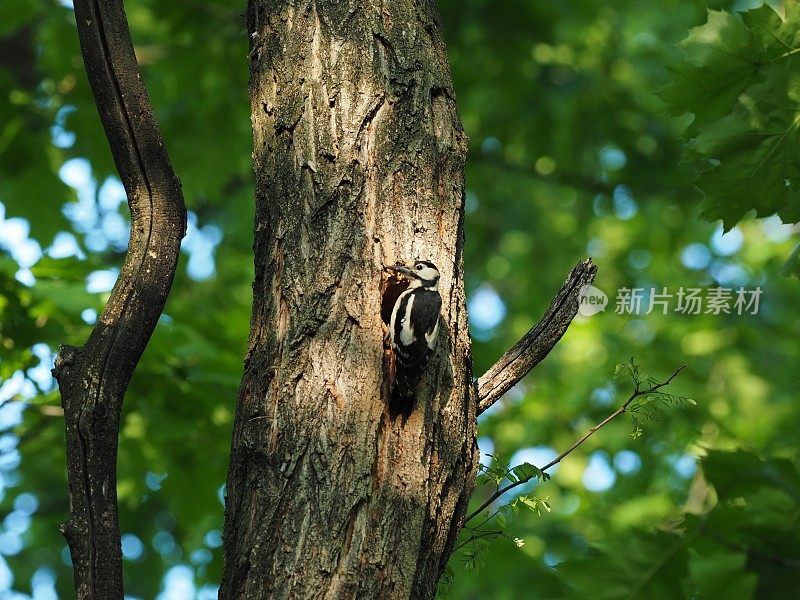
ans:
(93, 378)
(359, 157)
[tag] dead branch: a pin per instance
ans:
(538, 342)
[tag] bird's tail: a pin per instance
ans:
(403, 395)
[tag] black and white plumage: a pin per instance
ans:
(413, 328)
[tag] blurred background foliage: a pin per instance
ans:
(572, 154)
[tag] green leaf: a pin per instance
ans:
(741, 473)
(622, 372)
(717, 66)
(757, 148)
(527, 471)
(535, 504)
(773, 37)
(636, 565)
(721, 576)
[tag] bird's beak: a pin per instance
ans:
(402, 269)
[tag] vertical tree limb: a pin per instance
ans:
(93, 378)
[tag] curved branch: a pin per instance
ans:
(538, 342)
(93, 379)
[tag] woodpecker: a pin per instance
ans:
(413, 329)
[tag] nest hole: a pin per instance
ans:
(392, 286)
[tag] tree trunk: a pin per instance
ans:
(359, 160)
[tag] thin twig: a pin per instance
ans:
(484, 522)
(538, 342)
(635, 394)
(480, 535)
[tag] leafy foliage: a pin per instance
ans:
(739, 541)
(739, 79)
(649, 404)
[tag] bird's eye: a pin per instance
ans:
(419, 267)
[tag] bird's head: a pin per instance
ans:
(423, 274)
